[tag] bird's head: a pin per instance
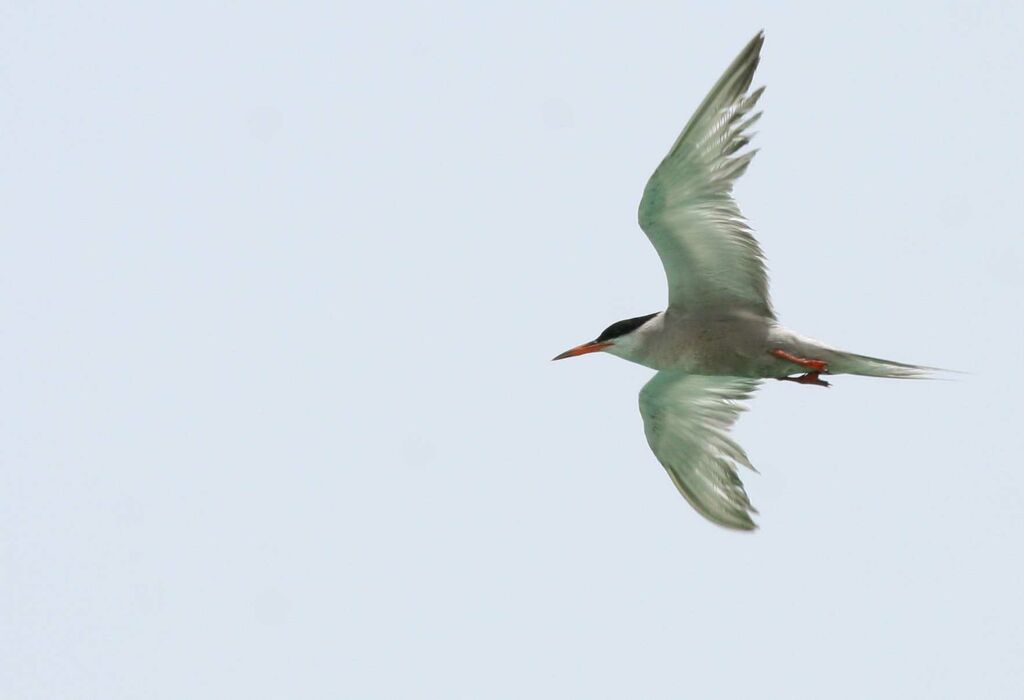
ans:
(619, 338)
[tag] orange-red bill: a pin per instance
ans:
(592, 346)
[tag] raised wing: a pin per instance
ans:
(712, 261)
(686, 420)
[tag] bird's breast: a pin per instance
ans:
(729, 346)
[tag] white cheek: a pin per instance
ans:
(636, 346)
(623, 346)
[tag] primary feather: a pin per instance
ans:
(686, 420)
(709, 253)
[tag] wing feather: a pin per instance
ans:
(711, 258)
(686, 420)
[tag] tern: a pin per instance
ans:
(719, 336)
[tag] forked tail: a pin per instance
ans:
(850, 363)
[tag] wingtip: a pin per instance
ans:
(747, 525)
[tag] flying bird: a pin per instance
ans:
(719, 336)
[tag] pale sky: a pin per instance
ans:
(278, 294)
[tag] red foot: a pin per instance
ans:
(815, 366)
(809, 378)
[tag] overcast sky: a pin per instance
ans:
(279, 286)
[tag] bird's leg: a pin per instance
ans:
(816, 366)
(809, 378)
